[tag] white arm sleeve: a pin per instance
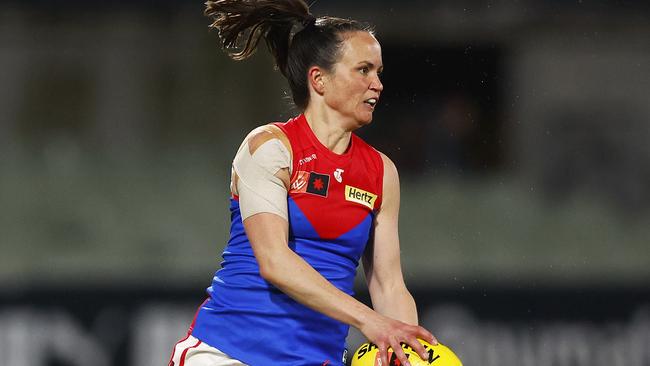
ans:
(259, 189)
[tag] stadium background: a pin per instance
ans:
(520, 129)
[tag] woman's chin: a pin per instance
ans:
(364, 119)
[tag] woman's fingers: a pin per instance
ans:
(399, 352)
(383, 354)
(418, 348)
(411, 338)
(426, 335)
(391, 333)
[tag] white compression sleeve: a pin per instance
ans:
(259, 189)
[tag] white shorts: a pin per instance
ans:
(190, 351)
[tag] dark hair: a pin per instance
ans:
(296, 39)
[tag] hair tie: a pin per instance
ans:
(310, 20)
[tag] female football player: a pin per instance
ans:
(309, 199)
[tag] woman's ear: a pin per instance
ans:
(316, 78)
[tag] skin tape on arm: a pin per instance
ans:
(258, 188)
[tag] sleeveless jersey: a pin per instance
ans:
(332, 202)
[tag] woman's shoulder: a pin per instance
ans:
(262, 134)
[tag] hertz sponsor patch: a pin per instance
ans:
(360, 196)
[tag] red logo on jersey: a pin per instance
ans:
(299, 184)
(318, 184)
(310, 182)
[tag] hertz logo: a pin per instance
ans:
(357, 195)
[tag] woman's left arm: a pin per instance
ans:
(381, 260)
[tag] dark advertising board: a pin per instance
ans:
(487, 327)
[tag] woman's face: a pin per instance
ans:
(353, 87)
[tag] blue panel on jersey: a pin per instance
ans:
(336, 259)
(245, 312)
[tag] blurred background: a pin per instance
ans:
(520, 128)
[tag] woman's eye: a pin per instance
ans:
(364, 70)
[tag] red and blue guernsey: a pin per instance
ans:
(332, 202)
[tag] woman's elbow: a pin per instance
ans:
(270, 270)
(276, 265)
(266, 272)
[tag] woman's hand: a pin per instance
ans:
(386, 332)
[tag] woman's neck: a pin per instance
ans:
(328, 130)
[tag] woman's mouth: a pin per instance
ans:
(371, 102)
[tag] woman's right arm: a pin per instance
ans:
(287, 271)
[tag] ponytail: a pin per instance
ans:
(296, 39)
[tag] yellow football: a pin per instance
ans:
(439, 355)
